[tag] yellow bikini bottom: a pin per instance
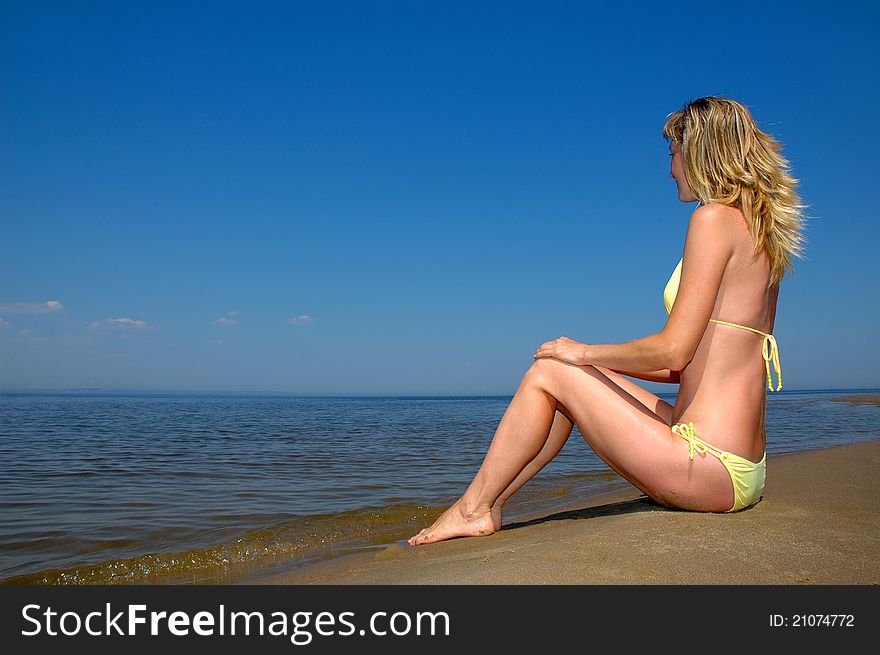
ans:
(747, 476)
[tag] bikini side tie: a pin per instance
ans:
(696, 445)
(769, 351)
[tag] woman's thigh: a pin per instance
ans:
(632, 439)
(650, 400)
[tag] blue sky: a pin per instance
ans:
(402, 197)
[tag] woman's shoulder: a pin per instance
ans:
(724, 221)
(729, 223)
(714, 222)
(717, 210)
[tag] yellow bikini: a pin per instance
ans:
(747, 476)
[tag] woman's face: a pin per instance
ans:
(677, 172)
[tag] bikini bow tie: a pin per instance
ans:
(770, 352)
(687, 431)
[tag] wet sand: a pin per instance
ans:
(817, 524)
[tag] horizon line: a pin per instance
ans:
(299, 394)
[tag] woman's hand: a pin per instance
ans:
(564, 349)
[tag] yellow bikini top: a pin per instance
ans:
(769, 348)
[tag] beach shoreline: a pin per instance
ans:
(816, 524)
(263, 536)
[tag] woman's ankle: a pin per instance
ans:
(473, 507)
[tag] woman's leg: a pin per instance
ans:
(652, 401)
(627, 435)
(520, 437)
(561, 430)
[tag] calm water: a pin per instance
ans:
(196, 488)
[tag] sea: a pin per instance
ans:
(106, 488)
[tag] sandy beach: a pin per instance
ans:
(817, 524)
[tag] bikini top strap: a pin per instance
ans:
(769, 351)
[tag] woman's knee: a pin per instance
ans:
(549, 366)
(547, 372)
(542, 372)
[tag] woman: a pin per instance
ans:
(706, 453)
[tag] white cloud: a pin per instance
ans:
(299, 320)
(32, 307)
(3, 323)
(215, 342)
(23, 333)
(226, 320)
(123, 322)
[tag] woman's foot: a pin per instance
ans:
(456, 522)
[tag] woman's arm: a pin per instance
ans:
(707, 249)
(663, 375)
(640, 357)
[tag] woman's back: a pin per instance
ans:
(723, 388)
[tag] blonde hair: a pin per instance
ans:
(728, 160)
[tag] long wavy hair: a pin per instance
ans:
(728, 160)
